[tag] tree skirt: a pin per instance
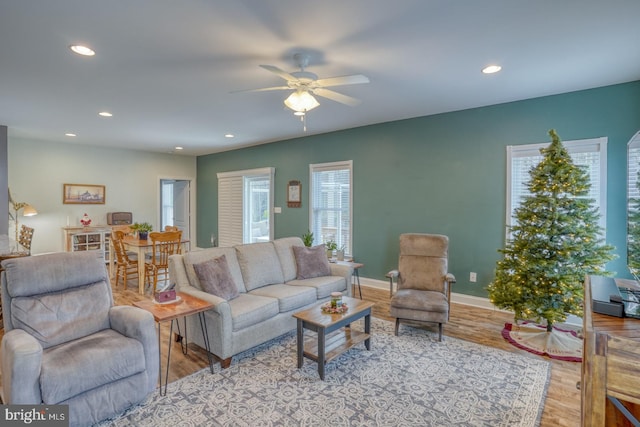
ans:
(559, 344)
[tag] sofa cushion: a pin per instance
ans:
(248, 310)
(108, 355)
(289, 297)
(215, 278)
(259, 264)
(311, 262)
(284, 249)
(58, 317)
(324, 285)
(196, 257)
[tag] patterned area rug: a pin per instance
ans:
(410, 380)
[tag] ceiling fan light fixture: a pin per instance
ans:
(491, 69)
(82, 50)
(301, 101)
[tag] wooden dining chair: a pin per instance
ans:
(126, 229)
(126, 264)
(163, 244)
(171, 228)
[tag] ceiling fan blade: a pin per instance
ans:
(263, 89)
(335, 96)
(343, 80)
(288, 77)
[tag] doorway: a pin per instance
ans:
(175, 199)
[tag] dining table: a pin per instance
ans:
(141, 247)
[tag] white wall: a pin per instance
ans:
(38, 170)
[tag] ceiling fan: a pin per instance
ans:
(306, 84)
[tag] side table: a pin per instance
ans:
(186, 305)
(356, 274)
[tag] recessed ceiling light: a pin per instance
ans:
(70, 134)
(179, 148)
(105, 114)
(491, 69)
(229, 135)
(82, 50)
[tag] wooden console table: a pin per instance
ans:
(610, 367)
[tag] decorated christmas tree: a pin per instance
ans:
(556, 242)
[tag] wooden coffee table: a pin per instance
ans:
(334, 334)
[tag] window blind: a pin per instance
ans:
(633, 167)
(589, 153)
(230, 209)
(331, 203)
(237, 204)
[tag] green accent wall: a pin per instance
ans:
(442, 174)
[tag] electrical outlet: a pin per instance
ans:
(472, 277)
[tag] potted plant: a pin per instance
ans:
(142, 229)
(331, 246)
(307, 238)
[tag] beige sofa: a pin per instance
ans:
(269, 293)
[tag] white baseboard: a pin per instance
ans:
(455, 297)
(464, 299)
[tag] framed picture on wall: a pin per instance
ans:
(83, 194)
(294, 194)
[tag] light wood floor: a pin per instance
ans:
(562, 406)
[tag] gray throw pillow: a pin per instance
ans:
(311, 262)
(216, 279)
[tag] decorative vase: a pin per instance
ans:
(142, 235)
(340, 255)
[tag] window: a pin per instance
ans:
(330, 199)
(633, 167)
(245, 203)
(590, 153)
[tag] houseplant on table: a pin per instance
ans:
(142, 229)
(331, 246)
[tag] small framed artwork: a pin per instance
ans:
(294, 194)
(83, 194)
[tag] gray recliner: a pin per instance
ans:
(424, 285)
(66, 343)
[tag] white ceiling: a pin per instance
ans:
(166, 68)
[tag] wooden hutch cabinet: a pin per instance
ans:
(88, 239)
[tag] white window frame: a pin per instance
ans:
(233, 221)
(323, 167)
(596, 145)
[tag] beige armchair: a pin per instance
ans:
(423, 283)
